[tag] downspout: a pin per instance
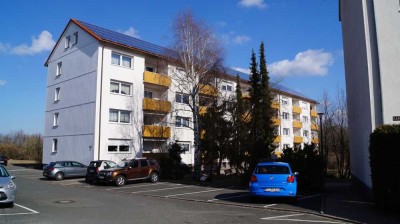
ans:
(101, 97)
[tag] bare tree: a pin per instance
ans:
(198, 56)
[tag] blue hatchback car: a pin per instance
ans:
(273, 179)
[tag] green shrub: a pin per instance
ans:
(384, 149)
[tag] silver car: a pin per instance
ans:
(8, 189)
(61, 169)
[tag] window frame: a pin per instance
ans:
(57, 94)
(54, 147)
(59, 69)
(181, 124)
(182, 97)
(55, 119)
(119, 116)
(118, 148)
(120, 87)
(285, 116)
(148, 93)
(75, 35)
(287, 130)
(183, 148)
(121, 59)
(305, 133)
(67, 41)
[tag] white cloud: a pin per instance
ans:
(131, 32)
(2, 82)
(42, 43)
(309, 62)
(244, 70)
(253, 3)
(241, 39)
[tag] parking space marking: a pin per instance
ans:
(216, 199)
(308, 221)
(266, 206)
(22, 213)
(197, 192)
(312, 196)
(31, 210)
(162, 189)
(281, 216)
(133, 186)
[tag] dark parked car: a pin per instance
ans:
(61, 169)
(3, 160)
(134, 169)
(95, 167)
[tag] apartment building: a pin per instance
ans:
(371, 46)
(111, 96)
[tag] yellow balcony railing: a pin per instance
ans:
(202, 110)
(208, 90)
(156, 79)
(246, 95)
(297, 124)
(275, 105)
(314, 127)
(276, 121)
(315, 140)
(277, 139)
(298, 139)
(150, 131)
(156, 105)
(296, 109)
(314, 113)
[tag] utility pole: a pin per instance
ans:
(321, 114)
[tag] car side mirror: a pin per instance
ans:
(12, 177)
(296, 173)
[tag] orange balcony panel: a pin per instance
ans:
(208, 90)
(314, 127)
(156, 79)
(246, 95)
(276, 121)
(275, 105)
(314, 113)
(156, 105)
(277, 139)
(150, 131)
(202, 110)
(202, 134)
(315, 140)
(247, 117)
(298, 139)
(297, 124)
(296, 109)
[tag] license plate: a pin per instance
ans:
(272, 189)
(44, 173)
(101, 177)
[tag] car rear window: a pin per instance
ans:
(94, 164)
(272, 169)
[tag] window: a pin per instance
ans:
(144, 163)
(285, 102)
(120, 88)
(305, 134)
(113, 116)
(120, 116)
(75, 38)
(149, 69)
(59, 68)
(305, 119)
(285, 115)
(118, 148)
(57, 94)
(121, 60)
(276, 131)
(55, 120)
(285, 146)
(67, 41)
(148, 94)
(124, 148)
(182, 98)
(227, 88)
(182, 122)
(113, 148)
(286, 131)
(54, 148)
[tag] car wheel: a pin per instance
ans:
(153, 177)
(120, 181)
(11, 205)
(59, 176)
(253, 199)
(293, 200)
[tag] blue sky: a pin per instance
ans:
(303, 42)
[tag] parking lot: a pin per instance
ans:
(220, 201)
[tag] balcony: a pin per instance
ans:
(297, 124)
(156, 79)
(156, 105)
(298, 139)
(275, 105)
(314, 113)
(150, 131)
(207, 90)
(296, 109)
(277, 139)
(314, 127)
(202, 110)
(276, 121)
(315, 140)
(245, 95)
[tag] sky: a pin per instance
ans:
(303, 42)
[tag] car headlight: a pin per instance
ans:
(11, 185)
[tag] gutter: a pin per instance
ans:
(101, 96)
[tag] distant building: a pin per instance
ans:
(111, 96)
(371, 44)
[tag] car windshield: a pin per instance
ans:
(123, 164)
(3, 172)
(272, 169)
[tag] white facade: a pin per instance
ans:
(107, 101)
(371, 46)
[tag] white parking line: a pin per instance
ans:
(266, 206)
(308, 221)
(312, 196)
(133, 186)
(163, 189)
(22, 213)
(216, 199)
(26, 208)
(197, 192)
(26, 170)
(281, 216)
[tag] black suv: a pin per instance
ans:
(3, 160)
(134, 169)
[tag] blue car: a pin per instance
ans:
(273, 179)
